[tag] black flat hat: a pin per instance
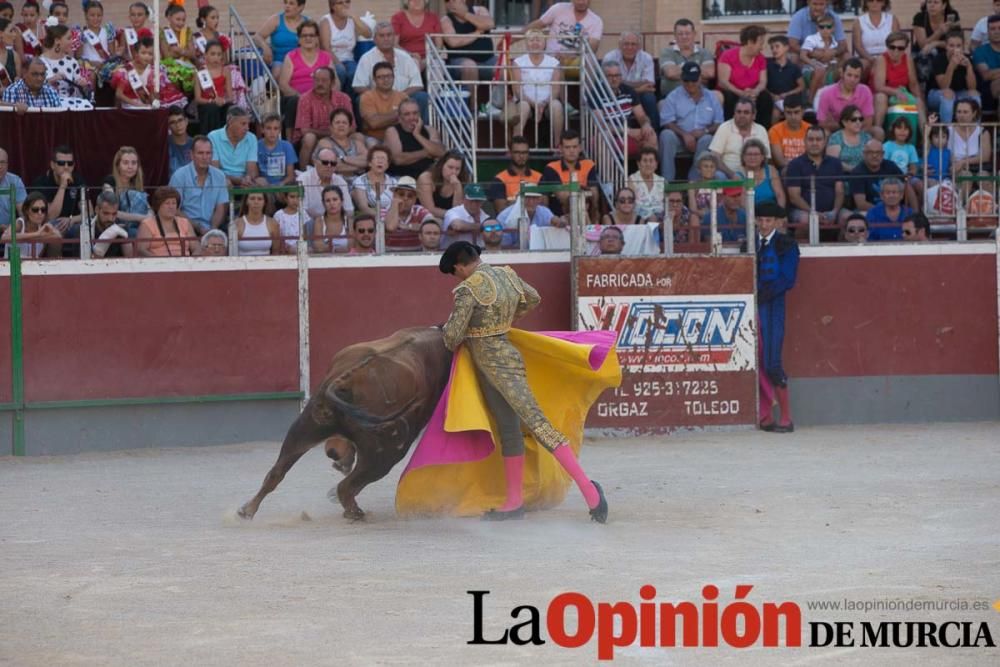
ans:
(769, 210)
(455, 251)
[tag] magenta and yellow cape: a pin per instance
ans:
(456, 467)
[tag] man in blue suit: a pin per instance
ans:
(777, 264)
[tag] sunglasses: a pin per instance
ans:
(856, 119)
(38, 209)
(856, 230)
(897, 47)
(493, 228)
(328, 163)
(826, 26)
(626, 200)
(64, 163)
(365, 231)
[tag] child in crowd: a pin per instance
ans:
(128, 38)
(133, 83)
(30, 30)
(819, 54)
(275, 157)
(213, 89)
(784, 78)
(208, 30)
(288, 219)
(700, 200)
(899, 150)
(177, 49)
(938, 153)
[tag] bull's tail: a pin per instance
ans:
(304, 434)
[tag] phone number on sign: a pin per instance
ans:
(653, 388)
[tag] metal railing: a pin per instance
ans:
(714, 9)
(263, 92)
(962, 200)
(449, 107)
(603, 124)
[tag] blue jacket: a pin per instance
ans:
(777, 266)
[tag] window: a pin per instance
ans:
(511, 12)
(713, 9)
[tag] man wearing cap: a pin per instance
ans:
(538, 213)
(414, 146)
(689, 116)
(777, 265)
(487, 302)
(730, 217)
(463, 222)
(404, 217)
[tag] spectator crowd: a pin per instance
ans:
(870, 134)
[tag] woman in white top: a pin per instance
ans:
(969, 142)
(331, 231)
(870, 31)
(534, 74)
(258, 233)
(648, 186)
(338, 34)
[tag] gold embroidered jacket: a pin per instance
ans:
(487, 303)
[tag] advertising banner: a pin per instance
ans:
(687, 340)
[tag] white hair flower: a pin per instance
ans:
(51, 21)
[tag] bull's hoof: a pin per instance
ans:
(354, 514)
(245, 512)
(344, 467)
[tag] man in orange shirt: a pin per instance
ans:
(788, 138)
(507, 184)
(379, 107)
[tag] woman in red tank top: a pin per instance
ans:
(894, 78)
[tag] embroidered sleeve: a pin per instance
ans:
(458, 321)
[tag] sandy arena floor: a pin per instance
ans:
(138, 558)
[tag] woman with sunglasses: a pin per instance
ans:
(624, 213)
(895, 79)
(36, 237)
(847, 144)
(871, 29)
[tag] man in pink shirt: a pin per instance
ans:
(849, 90)
(561, 21)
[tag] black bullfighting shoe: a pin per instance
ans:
(783, 428)
(599, 513)
(498, 515)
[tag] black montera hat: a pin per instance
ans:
(456, 252)
(768, 209)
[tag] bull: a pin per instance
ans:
(369, 409)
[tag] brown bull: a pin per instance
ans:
(374, 401)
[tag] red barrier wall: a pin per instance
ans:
(909, 315)
(159, 334)
(351, 305)
(95, 335)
